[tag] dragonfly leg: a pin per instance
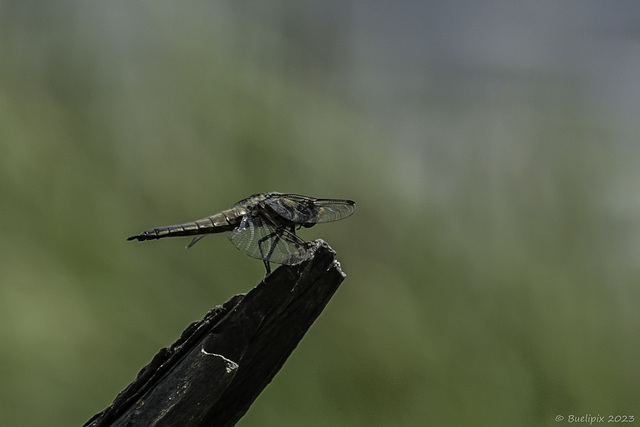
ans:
(267, 257)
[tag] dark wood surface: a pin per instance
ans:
(212, 374)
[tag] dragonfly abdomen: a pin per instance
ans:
(217, 223)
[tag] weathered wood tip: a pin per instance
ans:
(212, 374)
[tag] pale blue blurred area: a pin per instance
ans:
(491, 147)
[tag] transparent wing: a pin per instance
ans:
(308, 210)
(260, 238)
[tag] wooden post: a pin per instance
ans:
(212, 374)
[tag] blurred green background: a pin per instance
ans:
(491, 148)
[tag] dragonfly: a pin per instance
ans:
(263, 225)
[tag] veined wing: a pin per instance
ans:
(308, 210)
(260, 238)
